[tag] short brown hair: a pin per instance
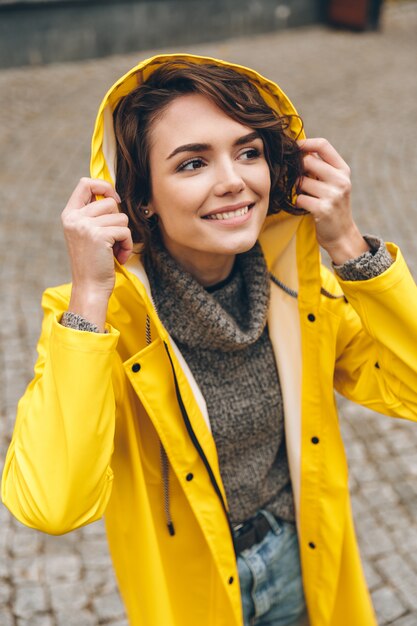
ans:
(234, 94)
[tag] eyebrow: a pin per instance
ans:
(201, 147)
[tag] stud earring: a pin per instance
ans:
(146, 212)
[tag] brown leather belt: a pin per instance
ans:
(250, 532)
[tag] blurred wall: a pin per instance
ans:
(35, 32)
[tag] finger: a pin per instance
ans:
(122, 254)
(312, 187)
(86, 191)
(101, 207)
(110, 219)
(325, 150)
(123, 246)
(310, 204)
(314, 166)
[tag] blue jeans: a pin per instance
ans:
(270, 578)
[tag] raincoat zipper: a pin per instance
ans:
(198, 447)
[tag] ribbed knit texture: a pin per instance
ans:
(223, 336)
(78, 322)
(367, 265)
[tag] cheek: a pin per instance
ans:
(179, 195)
(267, 179)
(261, 180)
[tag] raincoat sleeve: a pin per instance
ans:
(376, 360)
(57, 473)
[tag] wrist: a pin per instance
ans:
(347, 248)
(90, 304)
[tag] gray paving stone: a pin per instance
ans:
(407, 620)
(66, 567)
(4, 566)
(373, 579)
(97, 580)
(29, 600)
(6, 617)
(406, 543)
(410, 462)
(25, 542)
(397, 518)
(80, 618)
(5, 593)
(108, 607)
(379, 495)
(25, 569)
(387, 605)
(94, 553)
(395, 568)
(374, 539)
(66, 596)
(42, 619)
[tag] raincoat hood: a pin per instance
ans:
(103, 142)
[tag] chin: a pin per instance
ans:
(238, 247)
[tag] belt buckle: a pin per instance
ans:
(245, 526)
(240, 529)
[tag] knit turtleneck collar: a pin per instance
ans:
(226, 319)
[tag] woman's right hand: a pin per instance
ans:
(95, 232)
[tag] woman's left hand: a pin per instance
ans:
(324, 191)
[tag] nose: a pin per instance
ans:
(228, 180)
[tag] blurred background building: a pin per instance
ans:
(34, 32)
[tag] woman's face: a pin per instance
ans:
(210, 186)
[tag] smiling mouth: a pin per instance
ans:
(227, 215)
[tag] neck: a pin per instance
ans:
(210, 272)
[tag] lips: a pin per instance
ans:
(227, 213)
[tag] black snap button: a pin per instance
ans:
(315, 440)
(189, 477)
(231, 579)
(135, 367)
(311, 317)
(312, 545)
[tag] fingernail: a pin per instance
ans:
(118, 198)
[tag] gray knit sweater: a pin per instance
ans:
(223, 336)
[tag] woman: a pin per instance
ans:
(162, 385)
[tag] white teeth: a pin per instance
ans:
(228, 214)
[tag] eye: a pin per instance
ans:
(250, 154)
(190, 165)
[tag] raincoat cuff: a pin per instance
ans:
(388, 279)
(369, 264)
(79, 339)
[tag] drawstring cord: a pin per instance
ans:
(294, 294)
(163, 455)
(165, 480)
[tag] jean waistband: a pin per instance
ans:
(253, 530)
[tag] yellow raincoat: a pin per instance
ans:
(89, 427)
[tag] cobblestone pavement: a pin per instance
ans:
(359, 91)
